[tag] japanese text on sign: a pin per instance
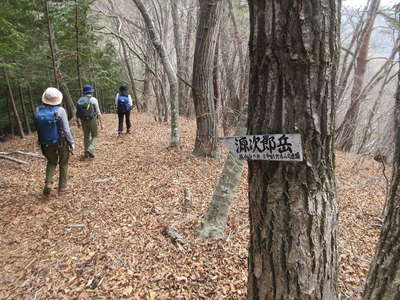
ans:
(283, 147)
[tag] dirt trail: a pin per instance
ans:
(105, 240)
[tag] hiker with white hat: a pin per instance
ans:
(55, 138)
(88, 115)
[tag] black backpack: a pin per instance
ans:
(84, 109)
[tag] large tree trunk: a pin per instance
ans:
(13, 106)
(347, 129)
(206, 134)
(173, 81)
(213, 225)
(384, 275)
(293, 209)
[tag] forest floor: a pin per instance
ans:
(105, 239)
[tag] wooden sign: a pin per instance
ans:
(280, 147)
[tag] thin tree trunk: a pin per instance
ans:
(292, 205)
(130, 73)
(213, 225)
(31, 100)
(347, 129)
(173, 81)
(13, 106)
(178, 53)
(58, 77)
(187, 104)
(78, 58)
(24, 112)
(206, 133)
(10, 112)
(146, 89)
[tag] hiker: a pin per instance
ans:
(88, 115)
(124, 104)
(55, 138)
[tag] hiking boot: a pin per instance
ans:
(90, 154)
(46, 190)
(63, 190)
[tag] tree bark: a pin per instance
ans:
(293, 209)
(206, 134)
(178, 53)
(187, 104)
(213, 225)
(13, 106)
(172, 78)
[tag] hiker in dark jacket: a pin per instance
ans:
(88, 115)
(55, 138)
(124, 104)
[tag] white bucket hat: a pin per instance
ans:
(52, 96)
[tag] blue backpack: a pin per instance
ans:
(47, 125)
(123, 104)
(84, 109)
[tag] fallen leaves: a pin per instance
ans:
(104, 240)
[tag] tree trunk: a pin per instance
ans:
(13, 106)
(186, 102)
(58, 77)
(24, 112)
(10, 112)
(173, 81)
(213, 225)
(206, 133)
(118, 26)
(130, 73)
(78, 59)
(178, 52)
(31, 100)
(384, 275)
(348, 127)
(146, 89)
(216, 83)
(293, 209)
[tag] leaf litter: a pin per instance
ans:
(106, 239)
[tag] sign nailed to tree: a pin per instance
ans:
(282, 147)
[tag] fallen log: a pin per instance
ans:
(12, 159)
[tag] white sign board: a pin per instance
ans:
(281, 147)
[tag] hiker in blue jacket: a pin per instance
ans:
(124, 104)
(55, 138)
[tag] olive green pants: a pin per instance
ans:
(57, 154)
(90, 133)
